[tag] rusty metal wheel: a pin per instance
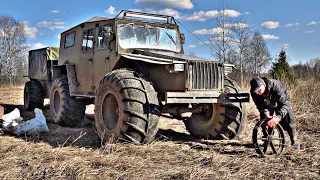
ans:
(268, 141)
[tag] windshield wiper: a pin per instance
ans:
(171, 38)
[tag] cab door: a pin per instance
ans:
(102, 51)
(85, 66)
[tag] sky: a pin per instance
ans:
(291, 25)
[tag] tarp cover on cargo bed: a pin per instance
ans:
(38, 62)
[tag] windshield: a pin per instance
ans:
(131, 36)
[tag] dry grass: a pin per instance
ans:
(76, 153)
(305, 99)
(11, 94)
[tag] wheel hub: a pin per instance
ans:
(27, 97)
(110, 111)
(57, 102)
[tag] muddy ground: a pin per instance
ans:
(77, 153)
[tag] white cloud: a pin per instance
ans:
(59, 23)
(55, 12)
(51, 25)
(246, 13)
(110, 10)
(178, 4)
(312, 23)
(230, 13)
(170, 12)
(30, 32)
(215, 40)
(285, 46)
(58, 36)
(137, 10)
(56, 27)
(238, 25)
(270, 24)
(210, 31)
(205, 15)
(192, 46)
(44, 24)
(308, 32)
(291, 24)
(270, 37)
(219, 30)
(167, 11)
(38, 46)
(202, 16)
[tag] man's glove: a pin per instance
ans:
(273, 122)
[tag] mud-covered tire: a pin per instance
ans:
(219, 121)
(126, 108)
(65, 110)
(33, 95)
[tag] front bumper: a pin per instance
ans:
(200, 97)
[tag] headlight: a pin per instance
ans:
(178, 67)
(228, 68)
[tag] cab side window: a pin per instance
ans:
(103, 41)
(69, 39)
(87, 41)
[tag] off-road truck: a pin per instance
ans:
(133, 68)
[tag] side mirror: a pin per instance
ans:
(182, 38)
(107, 31)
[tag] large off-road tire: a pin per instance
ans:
(126, 108)
(218, 121)
(65, 110)
(33, 95)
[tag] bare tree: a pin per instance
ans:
(241, 34)
(259, 55)
(221, 37)
(12, 51)
(192, 53)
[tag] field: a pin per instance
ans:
(76, 153)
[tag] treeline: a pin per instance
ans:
(281, 70)
(308, 70)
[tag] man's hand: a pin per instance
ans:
(273, 122)
(266, 113)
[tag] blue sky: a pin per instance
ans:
(290, 24)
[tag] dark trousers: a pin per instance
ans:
(288, 125)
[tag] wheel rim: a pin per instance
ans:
(110, 111)
(269, 141)
(57, 102)
(26, 98)
(206, 114)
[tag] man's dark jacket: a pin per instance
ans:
(275, 98)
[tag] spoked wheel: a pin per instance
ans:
(268, 141)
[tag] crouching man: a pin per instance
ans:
(272, 100)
